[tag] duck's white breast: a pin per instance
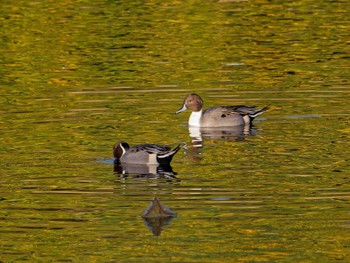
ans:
(195, 119)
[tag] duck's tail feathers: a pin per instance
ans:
(258, 112)
(167, 157)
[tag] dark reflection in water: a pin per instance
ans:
(144, 170)
(157, 215)
(156, 224)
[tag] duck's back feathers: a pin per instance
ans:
(150, 148)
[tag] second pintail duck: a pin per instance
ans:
(144, 153)
(222, 116)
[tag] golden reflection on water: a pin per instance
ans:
(77, 77)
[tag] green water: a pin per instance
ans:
(78, 76)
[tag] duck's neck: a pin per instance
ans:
(195, 118)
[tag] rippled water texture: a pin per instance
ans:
(76, 77)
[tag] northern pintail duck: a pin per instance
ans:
(222, 116)
(144, 153)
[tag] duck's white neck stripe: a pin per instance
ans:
(195, 118)
(121, 146)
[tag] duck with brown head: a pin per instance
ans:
(221, 116)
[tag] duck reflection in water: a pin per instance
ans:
(156, 216)
(199, 135)
(235, 133)
(144, 170)
(144, 160)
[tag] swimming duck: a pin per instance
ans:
(222, 116)
(144, 153)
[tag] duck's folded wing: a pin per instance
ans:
(241, 109)
(245, 110)
(151, 148)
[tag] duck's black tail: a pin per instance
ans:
(168, 156)
(258, 112)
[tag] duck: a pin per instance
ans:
(221, 116)
(144, 153)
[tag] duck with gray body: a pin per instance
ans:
(144, 153)
(222, 116)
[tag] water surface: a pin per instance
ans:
(77, 77)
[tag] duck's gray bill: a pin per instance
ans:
(182, 109)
